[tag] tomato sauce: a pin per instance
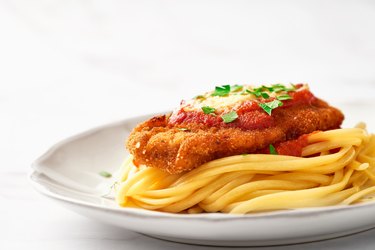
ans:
(291, 147)
(250, 114)
(250, 120)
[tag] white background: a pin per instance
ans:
(66, 66)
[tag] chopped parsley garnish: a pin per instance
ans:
(283, 97)
(264, 95)
(261, 91)
(105, 174)
(208, 110)
(273, 150)
(221, 90)
(199, 97)
(229, 117)
(258, 93)
(275, 88)
(263, 88)
(278, 88)
(235, 88)
(269, 106)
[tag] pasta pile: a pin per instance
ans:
(336, 167)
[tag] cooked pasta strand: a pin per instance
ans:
(336, 167)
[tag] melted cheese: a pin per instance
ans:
(220, 103)
(228, 102)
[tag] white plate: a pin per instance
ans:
(68, 173)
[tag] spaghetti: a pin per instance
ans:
(336, 167)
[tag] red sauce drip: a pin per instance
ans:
(250, 115)
(291, 147)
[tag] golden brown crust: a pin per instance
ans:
(156, 144)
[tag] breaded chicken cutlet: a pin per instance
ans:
(230, 120)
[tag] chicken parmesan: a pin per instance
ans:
(232, 120)
(244, 149)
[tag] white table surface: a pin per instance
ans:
(66, 66)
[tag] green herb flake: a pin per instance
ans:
(266, 108)
(264, 95)
(269, 106)
(208, 110)
(278, 88)
(244, 154)
(229, 117)
(198, 97)
(292, 88)
(256, 93)
(270, 89)
(105, 174)
(273, 150)
(284, 97)
(235, 88)
(221, 90)
(275, 88)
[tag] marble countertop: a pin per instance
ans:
(67, 66)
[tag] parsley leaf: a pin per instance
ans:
(269, 106)
(275, 88)
(273, 150)
(258, 93)
(221, 90)
(199, 97)
(263, 87)
(229, 117)
(292, 88)
(264, 95)
(284, 97)
(208, 110)
(235, 88)
(105, 174)
(279, 87)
